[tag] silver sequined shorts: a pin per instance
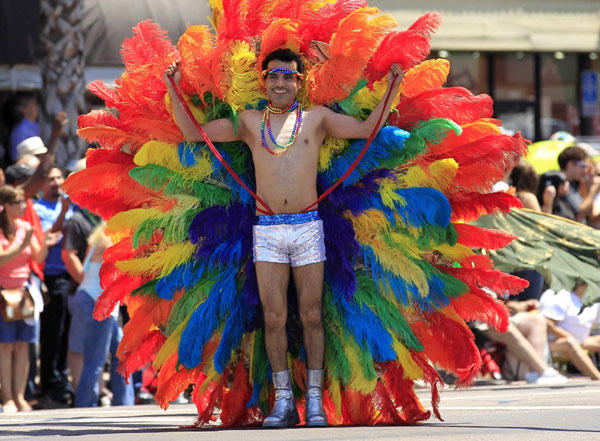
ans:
(296, 239)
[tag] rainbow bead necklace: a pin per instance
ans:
(266, 122)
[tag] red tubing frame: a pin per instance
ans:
(266, 209)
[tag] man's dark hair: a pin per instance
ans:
(573, 153)
(286, 55)
(12, 108)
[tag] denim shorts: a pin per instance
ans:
(77, 326)
(12, 332)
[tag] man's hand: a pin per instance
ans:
(174, 70)
(66, 203)
(51, 239)
(59, 122)
(549, 195)
(395, 72)
(594, 184)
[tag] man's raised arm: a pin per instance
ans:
(348, 127)
(218, 130)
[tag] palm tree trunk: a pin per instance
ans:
(63, 73)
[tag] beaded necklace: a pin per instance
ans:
(267, 122)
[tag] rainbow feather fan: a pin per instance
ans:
(401, 276)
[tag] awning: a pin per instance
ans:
(506, 25)
(106, 23)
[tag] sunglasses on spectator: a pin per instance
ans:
(581, 163)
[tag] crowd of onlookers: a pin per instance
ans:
(547, 325)
(51, 251)
(50, 255)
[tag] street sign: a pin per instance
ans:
(589, 93)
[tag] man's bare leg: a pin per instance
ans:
(273, 280)
(309, 285)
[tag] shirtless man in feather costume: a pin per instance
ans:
(284, 140)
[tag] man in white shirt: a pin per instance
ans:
(569, 329)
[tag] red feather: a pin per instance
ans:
(449, 344)
(136, 360)
(320, 25)
(100, 156)
(455, 103)
(467, 207)
(479, 305)
(108, 94)
(477, 237)
(407, 48)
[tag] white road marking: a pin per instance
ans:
(443, 409)
(543, 392)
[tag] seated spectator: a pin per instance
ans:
(18, 246)
(518, 340)
(573, 162)
(569, 327)
(525, 180)
(561, 187)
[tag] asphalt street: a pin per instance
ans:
(511, 412)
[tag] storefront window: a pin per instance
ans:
(559, 94)
(595, 66)
(514, 92)
(467, 69)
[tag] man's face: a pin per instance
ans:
(53, 186)
(282, 88)
(30, 110)
(575, 170)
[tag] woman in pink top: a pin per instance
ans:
(18, 246)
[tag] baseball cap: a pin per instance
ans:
(17, 172)
(32, 146)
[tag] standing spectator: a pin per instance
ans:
(75, 243)
(17, 246)
(22, 117)
(573, 163)
(54, 208)
(570, 327)
(100, 337)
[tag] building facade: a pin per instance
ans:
(538, 59)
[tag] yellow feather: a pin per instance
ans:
(171, 345)
(330, 147)
(369, 223)
(165, 155)
(358, 382)
(246, 87)
(395, 258)
(411, 369)
(456, 252)
(387, 189)
(159, 263)
(198, 114)
(333, 389)
(128, 221)
(217, 10)
(439, 175)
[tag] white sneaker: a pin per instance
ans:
(549, 377)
